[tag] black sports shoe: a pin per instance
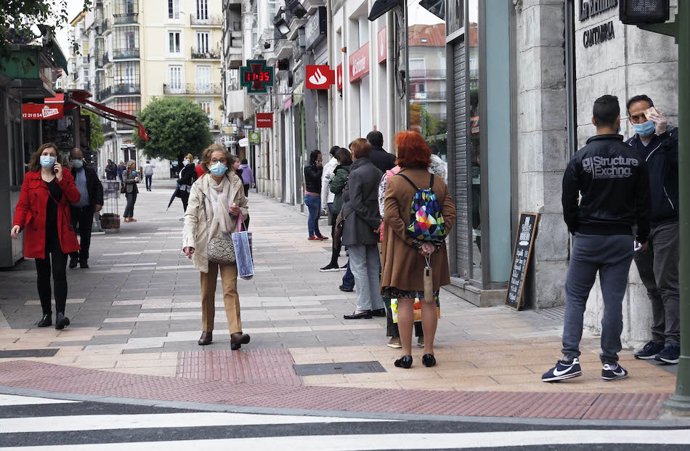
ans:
(84, 265)
(563, 370)
(613, 372)
(61, 321)
(45, 321)
(330, 268)
(649, 351)
(73, 263)
(670, 354)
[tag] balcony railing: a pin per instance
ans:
(193, 89)
(126, 89)
(125, 53)
(120, 19)
(209, 21)
(210, 54)
(102, 60)
(104, 93)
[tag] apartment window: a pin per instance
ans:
(174, 42)
(206, 107)
(202, 42)
(129, 105)
(173, 9)
(202, 9)
(126, 42)
(175, 78)
(203, 78)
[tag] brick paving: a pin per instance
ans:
(135, 321)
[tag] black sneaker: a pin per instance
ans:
(613, 372)
(73, 263)
(330, 268)
(670, 354)
(649, 351)
(61, 321)
(563, 370)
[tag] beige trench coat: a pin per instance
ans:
(198, 217)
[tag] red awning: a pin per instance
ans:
(80, 98)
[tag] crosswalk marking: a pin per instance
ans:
(370, 442)
(13, 400)
(163, 420)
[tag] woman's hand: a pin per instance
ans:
(14, 233)
(57, 169)
(188, 251)
(427, 249)
(234, 210)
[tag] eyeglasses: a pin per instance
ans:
(216, 160)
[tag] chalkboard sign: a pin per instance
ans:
(527, 232)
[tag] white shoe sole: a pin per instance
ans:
(562, 378)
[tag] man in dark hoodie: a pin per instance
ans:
(381, 159)
(658, 265)
(612, 185)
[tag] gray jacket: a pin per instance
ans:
(360, 204)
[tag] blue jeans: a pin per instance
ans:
(348, 278)
(610, 256)
(313, 204)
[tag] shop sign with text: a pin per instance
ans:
(42, 112)
(359, 63)
(264, 120)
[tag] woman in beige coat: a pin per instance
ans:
(216, 203)
(403, 257)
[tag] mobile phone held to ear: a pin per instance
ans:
(55, 169)
(651, 111)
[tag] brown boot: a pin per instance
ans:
(238, 339)
(206, 338)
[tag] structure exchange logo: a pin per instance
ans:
(609, 167)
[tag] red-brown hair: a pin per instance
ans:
(412, 149)
(360, 148)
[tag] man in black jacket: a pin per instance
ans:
(658, 265)
(381, 159)
(90, 202)
(612, 184)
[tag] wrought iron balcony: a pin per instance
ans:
(120, 19)
(193, 89)
(104, 93)
(125, 54)
(210, 54)
(213, 21)
(126, 89)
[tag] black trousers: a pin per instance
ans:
(129, 209)
(246, 189)
(59, 271)
(82, 221)
(149, 179)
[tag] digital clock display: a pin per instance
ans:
(250, 77)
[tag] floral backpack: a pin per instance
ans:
(426, 220)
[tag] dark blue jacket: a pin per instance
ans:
(661, 155)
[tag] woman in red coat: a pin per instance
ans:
(43, 213)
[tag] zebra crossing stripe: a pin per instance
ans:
(161, 420)
(369, 442)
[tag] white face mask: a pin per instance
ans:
(185, 162)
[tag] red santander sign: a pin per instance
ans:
(264, 120)
(319, 77)
(359, 63)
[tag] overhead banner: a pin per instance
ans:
(42, 112)
(319, 77)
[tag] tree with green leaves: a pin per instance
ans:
(176, 126)
(21, 21)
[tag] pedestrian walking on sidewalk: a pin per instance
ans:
(186, 179)
(658, 265)
(605, 194)
(90, 202)
(148, 174)
(337, 184)
(111, 170)
(360, 230)
(130, 178)
(247, 176)
(43, 213)
(405, 258)
(327, 198)
(312, 194)
(216, 203)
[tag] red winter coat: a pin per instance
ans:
(30, 214)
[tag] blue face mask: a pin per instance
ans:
(218, 169)
(48, 161)
(646, 129)
(78, 164)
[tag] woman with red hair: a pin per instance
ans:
(404, 257)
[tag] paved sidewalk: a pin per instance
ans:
(136, 318)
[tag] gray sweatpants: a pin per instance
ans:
(658, 268)
(610, 255)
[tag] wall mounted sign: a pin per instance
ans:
(254, 137)
(591, 8)
(527, 233)
(256, 76)
(264, 120)
(315, 28)
(382, 46)
(319, 77)
(359, 63)
(42, 112)
(339, 77)
(598, 35)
